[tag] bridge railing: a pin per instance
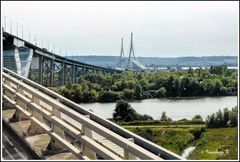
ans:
(66, 126)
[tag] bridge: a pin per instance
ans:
(49, 126)
(56, 128)
(132, 62)
(41, 65)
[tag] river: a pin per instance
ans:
(175, 108)
(187, 152)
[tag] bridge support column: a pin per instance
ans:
(52, 73)
(63, 73)
(84, 70)
(73, 73)
(40, 69)
(11, 60)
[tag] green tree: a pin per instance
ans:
(69, 85)
(90, 96)
(161, 92)
(164, 117)
(138, 92)
(124, 112)
(225, 117)
(219, 119)
(197, 118)
(210, 121)
(128, 94)
(233, 117)
(109, 96)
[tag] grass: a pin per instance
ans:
(173, 139)
(157, 123)
(211, 144)
(216, 144)
(163, 126)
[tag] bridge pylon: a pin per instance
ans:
(131, 54)
(133, 63)
(121, 62)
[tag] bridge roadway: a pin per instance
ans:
(56, 128)
(10, 37)
(43, 66)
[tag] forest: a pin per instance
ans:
(129, 85)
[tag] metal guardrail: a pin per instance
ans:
(141, 147)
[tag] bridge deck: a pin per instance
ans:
(11, 150)
(40, 141)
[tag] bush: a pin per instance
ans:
(89, 96)
(109, 96)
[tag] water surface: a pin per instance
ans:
(175, 108)
(187, 152)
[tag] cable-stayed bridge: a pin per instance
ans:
(132, 61)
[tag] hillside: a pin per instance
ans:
(111, 61)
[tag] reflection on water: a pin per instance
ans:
(175, 108)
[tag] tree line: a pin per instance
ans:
(223, 119)
(106, 87)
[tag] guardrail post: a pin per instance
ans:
(127, 155)
(34, 128)
(85, 150)
(18, 115)
(8, 94)
(54, 144)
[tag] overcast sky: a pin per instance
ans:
(163, 29)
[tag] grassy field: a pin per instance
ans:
(216, 144)
(171, 138)
(211, 144)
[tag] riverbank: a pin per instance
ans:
(175, 139)
(209, 144)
